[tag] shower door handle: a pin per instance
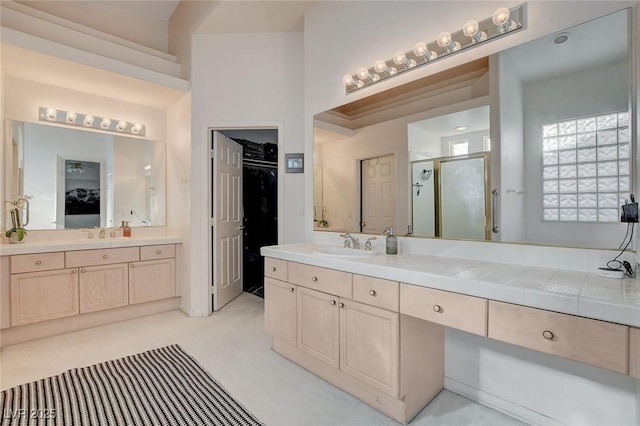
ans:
(494, 205)
(240, 227)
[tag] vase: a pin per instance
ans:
(13, 238)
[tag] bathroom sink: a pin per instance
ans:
(343, 252)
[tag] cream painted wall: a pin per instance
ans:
(245, 80)
(490, 372)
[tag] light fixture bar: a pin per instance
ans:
(473, 33)
(72, 118)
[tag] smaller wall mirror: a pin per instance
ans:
(83, 179)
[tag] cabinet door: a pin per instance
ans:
(151, 280)
(280, 309)
(103, 287)
(39, 296)
(370, 345)
(319, 325)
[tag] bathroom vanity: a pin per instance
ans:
(373, 325)
(53, 288)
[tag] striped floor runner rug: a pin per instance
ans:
(164, 386)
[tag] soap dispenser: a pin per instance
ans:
(392, 241)
(126, 229)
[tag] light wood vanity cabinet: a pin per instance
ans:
(103, 287)
(594, 342)
(46, 286)
(46, 295)
(318, 333)
(280, 309)
(151, 280)
(634, 352)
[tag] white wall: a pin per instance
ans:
(608, 394)
(475, 139)
(422, 144)
(245, 80)
(579, 94)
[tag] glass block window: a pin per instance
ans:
(585, 168)
(459, 147)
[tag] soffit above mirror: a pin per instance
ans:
(28, 65)
(409, 98)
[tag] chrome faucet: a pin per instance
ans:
(367, 245)
(350, 241)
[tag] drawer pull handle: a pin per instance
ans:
(547, 335)
(372, 293)
(105, 256)
(158, 251)
(314, 278)
(273, 269)
(341, 305)
(75, 271)
(38, 262)
(333, 302)
(83, 270)
(437, 308)
(291, 289)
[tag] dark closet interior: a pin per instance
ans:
(260, 207)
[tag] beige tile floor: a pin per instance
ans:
(232, 345)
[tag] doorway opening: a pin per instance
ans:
(259, 208)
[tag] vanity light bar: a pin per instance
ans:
(90, 121)
(503, 21)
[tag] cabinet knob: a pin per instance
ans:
(333, 302)
(273, 269)
(83, 270)
(291, 289)
(341, 305)
(132, 266)
(75, 271)
(158, 251)
(547, 335)
(104, 256)
(314, 278)
(38, 262)
(437, 308)
(372, 293)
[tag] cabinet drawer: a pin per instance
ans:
(594, 342)
(275, 268)
(321, 279)
(36, 262)
(101, 257)
(453, 310)
(165, 251)
(376, 292)
(634, 352)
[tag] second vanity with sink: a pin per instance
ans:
(52, 287)
(373, 325)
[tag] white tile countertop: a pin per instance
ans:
(560, 290)
(86, 244)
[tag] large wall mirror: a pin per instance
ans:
(532, 145)
(84, 179)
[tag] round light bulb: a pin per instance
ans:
(136, 128)
(88, 120)
(105, 123)
(399, 57)
(470, 28)
(501, 16)
(347, 79)
(71, 117)
(444, 39)
(52, 114)
(380, 66)
(420, 48)
(121, 125)
(363, 73)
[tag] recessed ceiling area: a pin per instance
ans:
(474, 120)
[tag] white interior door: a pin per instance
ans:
(378, 194)
(227, 220)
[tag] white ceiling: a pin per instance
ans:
(162, 9)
